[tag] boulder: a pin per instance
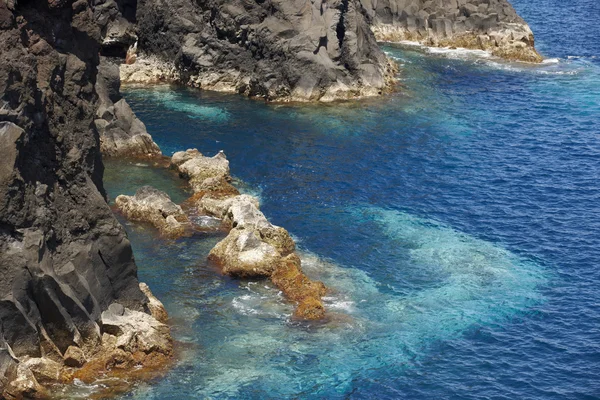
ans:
(243, 254)
(288, 277)
(202, 172)
(74, 357)
(255, 248)
(135, 331)
(154, 206)
(45, 370)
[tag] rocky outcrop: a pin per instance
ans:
(154, 206)
(254, 248)
(203, 173)
(115, 20)
(491, 25)
(278, 50)
(64, 259)
(121, 132)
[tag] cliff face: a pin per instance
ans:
(276, 49)
(491, 25)
(64, 259)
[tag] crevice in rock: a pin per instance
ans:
(340, 28)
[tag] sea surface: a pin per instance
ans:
(457, 222)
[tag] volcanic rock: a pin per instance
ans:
(491, 25)
(121, 132)
(154, 206)
(278, 50)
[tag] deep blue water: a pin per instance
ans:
(458, 222)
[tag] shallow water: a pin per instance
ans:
(457, 222)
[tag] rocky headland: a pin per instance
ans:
(71, 305)
(490, 25)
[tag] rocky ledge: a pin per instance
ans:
(491, 25)
(71, 305)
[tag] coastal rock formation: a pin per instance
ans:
(154, 206)
(64, 259)
(203, 173)
(491, 25)
(115, 20)
(254, 248)
(278, 50)
(121, 132)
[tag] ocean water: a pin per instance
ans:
(456, 221)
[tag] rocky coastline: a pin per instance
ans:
(489, 25)
(71, 304)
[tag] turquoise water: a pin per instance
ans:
(457, 222)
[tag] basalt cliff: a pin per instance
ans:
(71, 305)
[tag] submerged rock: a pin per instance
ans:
(491, 25)
(154, 206)
(121, 132)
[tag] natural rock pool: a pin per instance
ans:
(457, 222)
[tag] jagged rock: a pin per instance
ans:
(242, 254)
(157, 309)
(199, 170)
(254, 248)
(136, 331)
(118, 32)
(64, 258)
(74, 357)
(148, 70)
(219, 207)
(154, 206)
(288, 277)
(277, 50)
(121, 132)
(24, 386)
(491, 25)
(44, 369)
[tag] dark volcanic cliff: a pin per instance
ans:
(276, 49)
(491, 25)
(64, 259)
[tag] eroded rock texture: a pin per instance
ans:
(154, 206)
(122, 133)
(254, 248)
(275, 49)
(64, 259)
(491, 25)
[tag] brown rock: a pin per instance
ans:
(299, 288)
(44, 369)
(74, 357)
(157, 309)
